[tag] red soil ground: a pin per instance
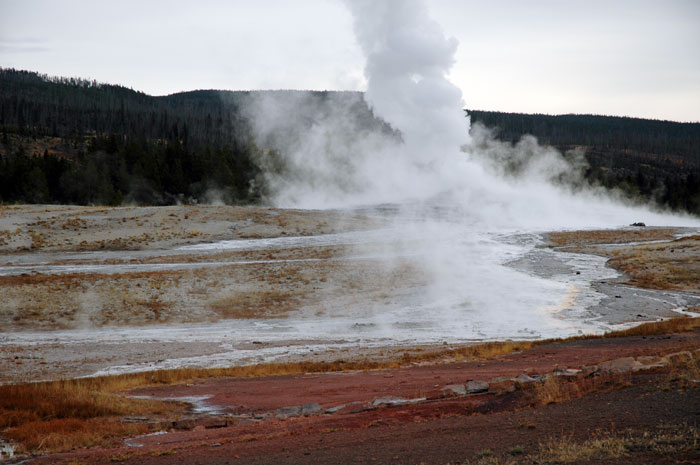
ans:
(439, 430)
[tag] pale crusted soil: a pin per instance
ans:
(668, 263)
(49, 228)
(243, 284)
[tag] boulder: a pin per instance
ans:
(525, 379)
(352, 407)
(389, 400)
(501, 385)
(590, 370)
(566, 372)
(311, 409)
(476, 386)
(649, 362)
(456, 389)
(619, 365)
(283, 413)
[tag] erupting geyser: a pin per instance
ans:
(454, 212)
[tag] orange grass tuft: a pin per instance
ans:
(609, 236)
(61, 415)
(66, 434)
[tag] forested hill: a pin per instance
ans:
(679, 140)
(651, 159)
(70, 140)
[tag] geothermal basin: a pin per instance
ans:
(94, 291)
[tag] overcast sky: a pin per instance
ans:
(619, 57)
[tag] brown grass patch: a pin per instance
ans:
(609, 236)
(674, 264)
(665, 440)
(671, 326)
(62, 415)
(66, 434)
(557, 389)
(270, 303)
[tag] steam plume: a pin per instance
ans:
(458, 196)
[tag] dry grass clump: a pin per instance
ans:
(270, 303)
(557, 389)
(473, 352)
(495, 349)
(654, 328)
(665, 440)
(567, 451)
(609, 236)
(684, 374)
(674, 264)
(62, 415)
(671, 265)
(671, 326)
(63, 435)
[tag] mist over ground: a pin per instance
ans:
(462, 204)
(331, 160)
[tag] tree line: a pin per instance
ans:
(648, 160)
(70, 140)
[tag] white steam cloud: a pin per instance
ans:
(333, 159)
(461, 195)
